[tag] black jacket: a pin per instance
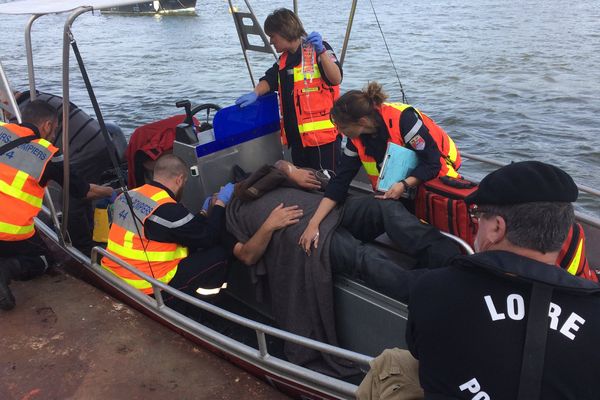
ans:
(468, 322)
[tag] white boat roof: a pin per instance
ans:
(42, 7)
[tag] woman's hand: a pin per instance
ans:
(305, 179)
(393, 192)
(282, 216)
(309, 237)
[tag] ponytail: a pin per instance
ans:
(356, 104)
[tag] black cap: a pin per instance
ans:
(525, 182)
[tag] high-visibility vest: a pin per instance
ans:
(21, 170)
(390, 112)
(313, 100)
(126, 240)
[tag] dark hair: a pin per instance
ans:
(38, 111)
(355, 104)
(541, 226)
(285, 23)
(169, 166)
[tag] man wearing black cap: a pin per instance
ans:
(507, 323)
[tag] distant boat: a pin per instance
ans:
(155, 7)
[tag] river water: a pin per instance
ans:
(510, 80)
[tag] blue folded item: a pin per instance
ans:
(234, 125)
(397, 164)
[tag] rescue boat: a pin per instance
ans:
(367, 321)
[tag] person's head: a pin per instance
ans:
(354, 113)
(172, 172)
(524, 205)
(43, 116)
(284, 29)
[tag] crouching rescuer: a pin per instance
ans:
(160, 237)
(26, 167)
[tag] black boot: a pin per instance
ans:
(7, 300)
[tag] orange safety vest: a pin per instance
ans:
(21, 170)
(390, 112)
(313, 100)
(156, 259)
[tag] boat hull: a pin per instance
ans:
(186, 7)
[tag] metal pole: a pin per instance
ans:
(65, 119)
(296, 7)
(9, 95)
(239, 32)
(29, 51)
(348, 30)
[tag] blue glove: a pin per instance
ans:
(114, 196)
(206, 203)
(316, 40)
(246, 99)
(226, 192)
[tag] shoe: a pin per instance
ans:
(7, 300)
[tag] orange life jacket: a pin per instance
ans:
(572, 255)
(21, 170)
(390, 112)
(126, 240)
(313, 99)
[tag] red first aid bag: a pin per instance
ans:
(441, 203)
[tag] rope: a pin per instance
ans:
(404, 100)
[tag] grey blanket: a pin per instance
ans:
(301, 288)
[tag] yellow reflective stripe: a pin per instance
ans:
(299, 76)
(19, 194)
(5, 227)
(315, 126)
(128, 239)
(371, 168)
(451, 171)
(141, 255)
(452, 151)
(19, 180)
(401, 106)
(160, 195)
(574, 266)
(142, 283)
(44, 142)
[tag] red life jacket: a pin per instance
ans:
(390, 112)
(572, 254)
(313, 100)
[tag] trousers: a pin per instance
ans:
(365, 218)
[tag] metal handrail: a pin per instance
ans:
(29, 52)
(258, 327)
(583, 188)
(461, 242)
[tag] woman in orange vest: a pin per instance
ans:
(307, 77)
(370, 124)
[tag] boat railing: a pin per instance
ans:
(261, 330)
(583, 217)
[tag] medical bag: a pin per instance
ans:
(441, 203)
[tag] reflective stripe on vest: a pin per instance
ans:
(313, 99)
(156, 259)
(391, 112)
(21, 170)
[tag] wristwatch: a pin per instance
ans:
(406, 185)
